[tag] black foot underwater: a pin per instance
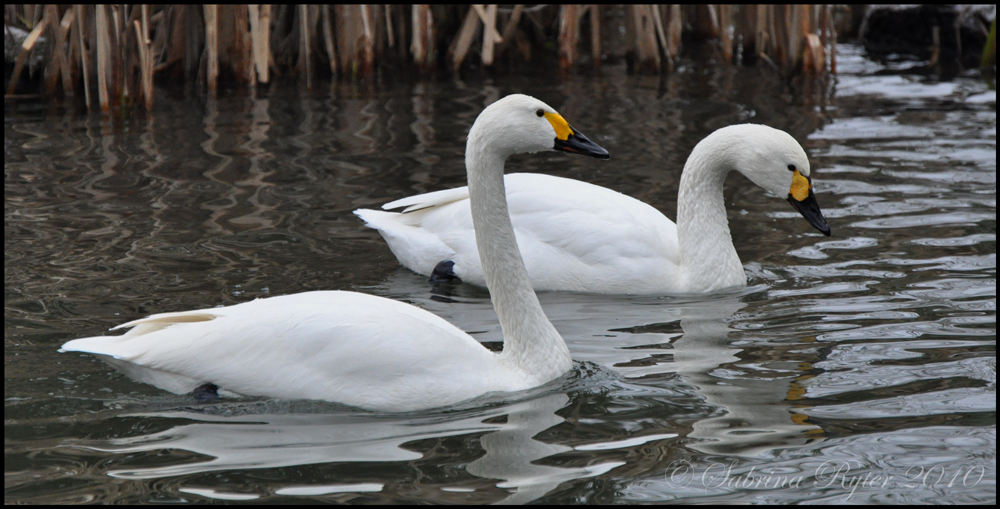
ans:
(443, 272)
(207, 393)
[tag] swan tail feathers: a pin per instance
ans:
(118, 346)
(101, 345)
(416, 248)
(116, 351)
(113, 346)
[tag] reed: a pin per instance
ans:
(128, 47)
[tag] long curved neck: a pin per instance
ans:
(708, 259)
(531, 343)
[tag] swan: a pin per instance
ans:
(580, 237)
(368, 351)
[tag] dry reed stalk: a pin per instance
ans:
(647, 54)
(703, 20)
(85, 66)
(595, 35)
(103, 57)
(814, 15)
(794, 48)
(258, 39)
(782, 28)
(56, 59)
(305, 45)
(149, 59)
(236, 37)
(515, 18)
(812, 57)
(421, 44)
(490, 36)
(331, 52)
(345, 29)
(64, 35)
(489, 27)
(713, 19)
(463, 42)
(508, 30)
(569, 31)
(661, 33)
(748, 31)
(145, 57)
(241, 38)
(388, 26)
(119, 87)
(674, 27)
(22, 56)
(265, 37)
(725, 36)
(368, 43)
(212, 47)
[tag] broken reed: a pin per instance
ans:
(120, 48)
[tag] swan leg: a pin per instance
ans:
(443, 271)
(206, 393)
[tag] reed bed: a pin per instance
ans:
(122, 49)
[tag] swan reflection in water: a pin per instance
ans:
(627, 338)
(271, 440)
(636, 337)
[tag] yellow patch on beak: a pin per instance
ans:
(800, 186)
(563, 131)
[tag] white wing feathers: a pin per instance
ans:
(422, 201)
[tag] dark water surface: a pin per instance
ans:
(858, 368)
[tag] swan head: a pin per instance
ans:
(774, 160)
(519, 124)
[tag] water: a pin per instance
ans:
(855, 368)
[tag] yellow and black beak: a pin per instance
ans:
(802, 198)
(571, 140)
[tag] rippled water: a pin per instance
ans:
(857, 368)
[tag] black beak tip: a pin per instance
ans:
(577, 143)
(810, 211)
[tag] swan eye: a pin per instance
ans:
(791, 167)
(540, 112)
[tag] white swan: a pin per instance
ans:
(576, 236)
(364, 350)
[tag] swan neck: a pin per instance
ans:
(708, 258)
(531, 343)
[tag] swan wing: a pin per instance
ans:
(348, 347)
(433, 199)
(573, 235)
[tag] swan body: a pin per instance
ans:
(576, 236)
(333, 343)
(363, 350)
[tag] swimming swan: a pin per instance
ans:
(576, 236)
(364, 350)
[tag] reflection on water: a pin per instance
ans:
(233, 437)
(871, 353)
